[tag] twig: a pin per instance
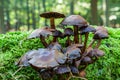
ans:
(17, 70)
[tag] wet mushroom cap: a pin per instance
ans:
(47, 59)
(74, 20)
(87, 29)
(86, 60)
(101, 33)
(98, 52)
(68, 32)
(74, 70)
(62, 69)
(57, 33)
(42, 31)
(73, 53)
(52, 15)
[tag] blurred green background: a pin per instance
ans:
(24, 14)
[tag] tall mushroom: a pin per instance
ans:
(86, 32)
(76, 21)
(52, 16)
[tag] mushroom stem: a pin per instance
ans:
(92, 42)
(55, 39)
(52, 23)
(80, 39)
(85, 42)
(76, 34)
(68, 42)
(98, 44)
(43, 41)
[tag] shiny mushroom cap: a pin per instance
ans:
(57, 33)
(86, 60)
(55, 46)
(68, 32)
(62, 69)
(47, 59)
(98, 53)
(23, 61)
(42, 31)
(73, 53)
(52, 15)
(101, 33)
(87, 30)
(74, 20)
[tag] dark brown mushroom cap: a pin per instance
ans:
(62, 69)
(42, 31)
(68, 32)
(74, 20)
(52, 15)
(47, 58)
(101, 33)
(74, 70)
(98, 53)
(45, 74)
(87, 29)
(23, 61)
(86, 60)
(55, 46)
(57, 33)
(73, 53)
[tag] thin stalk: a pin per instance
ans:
(43, 41)
(52, 23)
(76, 38)
(98, 44)
(85, 42)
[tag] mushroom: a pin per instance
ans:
(41, 33)
(51, 16)
(68, 32)
(101, 33)
(57, 34)
(86, 32)
(76, 21)
(47, 59)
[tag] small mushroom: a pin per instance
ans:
(76, 21)
(74, 70)
(86, 32)
(55, 46)
(46, 74)
(73, 53)
(101, 33)
(86, 60)
(52, 16)
(68, 32)
(57, 34)
(41, 33)
(62, 69)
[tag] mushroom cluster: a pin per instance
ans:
(70, 59)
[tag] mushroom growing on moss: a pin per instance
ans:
(52, 16)
(86, 32)
(76, 21)
(41, 33)
(67, 33)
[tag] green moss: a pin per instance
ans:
(14, 44)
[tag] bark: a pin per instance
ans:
(94, 12)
